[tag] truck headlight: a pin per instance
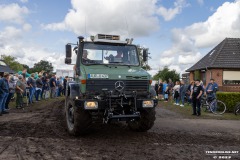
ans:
(91, 105)
(147, 104)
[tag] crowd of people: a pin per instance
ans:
(180, 93)
(34, 87)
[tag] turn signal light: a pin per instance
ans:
(83, 81)
(150, 81)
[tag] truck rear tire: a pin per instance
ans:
(78, 120)
(145, 122)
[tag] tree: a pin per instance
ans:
(12, 63)
(42, 65)
(25, 66)
(143, 64)
(165, 74)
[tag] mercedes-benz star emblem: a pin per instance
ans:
(119, 85)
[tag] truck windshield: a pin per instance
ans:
(110, 54)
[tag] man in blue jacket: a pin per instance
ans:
(4, 91)
(211, 89)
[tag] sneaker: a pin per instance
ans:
(181, 105)
(174, 103)
(177, 104)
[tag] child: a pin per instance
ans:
(166, 93)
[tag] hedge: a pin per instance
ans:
(229, 98)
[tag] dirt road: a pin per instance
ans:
(39, 133)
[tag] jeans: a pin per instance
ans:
(31, 93)
(3, 99)
(37, 93)
(1, 102)
(196, 104)
(182, 98)
(59, 92)
(177, 100)
(10, 95)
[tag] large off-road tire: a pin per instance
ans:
(78, 120)
(145, 122)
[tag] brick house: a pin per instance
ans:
(222, 63)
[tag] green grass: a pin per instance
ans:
(186, 111)
(43, 102)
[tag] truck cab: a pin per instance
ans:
(109, 85)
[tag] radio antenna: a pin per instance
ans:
(85, 28)
(127, 26)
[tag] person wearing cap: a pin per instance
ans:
(196, 94)
(4, 90)
(12, 85)
(20, 89)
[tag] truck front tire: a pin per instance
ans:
(78, 120)
(145, 122)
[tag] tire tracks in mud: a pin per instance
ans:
(44, 136)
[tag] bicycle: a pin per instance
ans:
(237, 109)
(213, 105)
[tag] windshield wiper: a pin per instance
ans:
(115, 62)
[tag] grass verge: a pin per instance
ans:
(186, 111)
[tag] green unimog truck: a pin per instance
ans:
(109, 85)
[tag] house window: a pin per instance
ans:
(231, 77)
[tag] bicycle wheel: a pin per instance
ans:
(217, 107)
(237, 109)
(204, 105)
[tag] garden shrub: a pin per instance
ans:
(229, 98)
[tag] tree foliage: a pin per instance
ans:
(42, 65)
(143, 64)
(165, 74)
(12, 63)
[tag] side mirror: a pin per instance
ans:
(75, 49)
(68, 59)
(145, 55)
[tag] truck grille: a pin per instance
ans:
(130, 85)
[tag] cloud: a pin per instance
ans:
(201, 2)
(24, 1)
(13, 13)
(169, 14)
(220, 25)
(27, 27)
(166, 61)
(130, 18)
(10, 33)
(189, 59)
(189, 41)
(176, 68)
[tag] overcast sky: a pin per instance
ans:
(177, 32)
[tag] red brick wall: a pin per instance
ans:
(229, 88)
(217, 75)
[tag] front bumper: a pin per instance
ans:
(104, 104)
